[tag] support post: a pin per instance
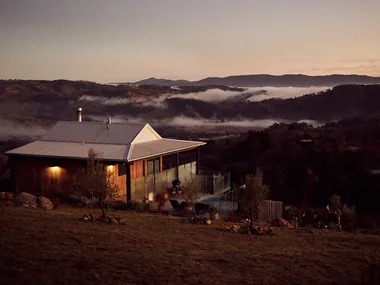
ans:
(128, 174)
(197, 160)
(178, 165)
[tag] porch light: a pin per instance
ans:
(150, 197)
(55, 169)
(111, 168)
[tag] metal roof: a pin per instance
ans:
(159, 147)
(115, 142)
(110, 152)
(93, 132)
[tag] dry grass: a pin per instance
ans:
(39, 247)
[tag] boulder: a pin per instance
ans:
(281, 223)
(45, 203)
(26, 200)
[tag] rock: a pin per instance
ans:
(270, 232)
(281, 223)
(45, 203)
(235, 228)
(26, 200)
(208, 222)
(122, 221)
(93, 217)
(113, 221)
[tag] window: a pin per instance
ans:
(169, 161)
(153, 165)
(122, 169)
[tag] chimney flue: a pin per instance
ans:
(79, 115)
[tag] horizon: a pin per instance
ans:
(130, 41)
(195, 80)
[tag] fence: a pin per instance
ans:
(215, 184)
(268, 211)
(147, 185)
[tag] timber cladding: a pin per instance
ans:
(46, 176)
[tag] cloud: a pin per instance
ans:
(15, 129)
(137, 101)
(211, 96)
(284, 92)
(187, 122)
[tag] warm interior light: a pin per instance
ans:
(150, 197)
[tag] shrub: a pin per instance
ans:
(290, 212)
(160, 199)
(308, 218)
(67, 198)
(116, 205)
(348, 217)
(213, 210)
(136, 206)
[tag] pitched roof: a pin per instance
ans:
(116, 142)
(110, 152)
(93, 132)
(159, 147)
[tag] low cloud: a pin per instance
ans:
(15, 129)
(211, 96)
(187, 122)
(284, 92)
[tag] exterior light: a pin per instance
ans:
(55, 169)
(111, 168)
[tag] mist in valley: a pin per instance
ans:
(18, 129)
(10, 129)
(211, 95)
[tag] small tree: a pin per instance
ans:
(191, 190)
(160, 198)
(95, 181)
(254, 194)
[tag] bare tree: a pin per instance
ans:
(192, 189)
(95, 181)
(253, 195)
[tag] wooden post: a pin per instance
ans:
(128, 181)
(178, 165)
(197, 161)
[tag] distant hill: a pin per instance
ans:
(262, 80)
(25, 100)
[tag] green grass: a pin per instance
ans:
(54, 247)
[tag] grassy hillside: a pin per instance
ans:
(38, 247)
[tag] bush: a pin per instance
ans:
(67, 198)
(160, 199)
(213, 210)
(348, 217)
(308, 218)
(290, 212)
(116, 205)
(136, 206)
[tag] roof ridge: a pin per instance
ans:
(113, 123)
(80, 142)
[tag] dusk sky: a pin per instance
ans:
(125, 40)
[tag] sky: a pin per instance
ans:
(129, 40)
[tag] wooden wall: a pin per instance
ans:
(45, 176)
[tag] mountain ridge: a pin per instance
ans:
(268, 80)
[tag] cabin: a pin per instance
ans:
(142, 161)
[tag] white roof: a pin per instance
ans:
(94, 132)
(159, 147)
(116, 142)
(110, 152)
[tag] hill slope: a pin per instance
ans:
(262, 80)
